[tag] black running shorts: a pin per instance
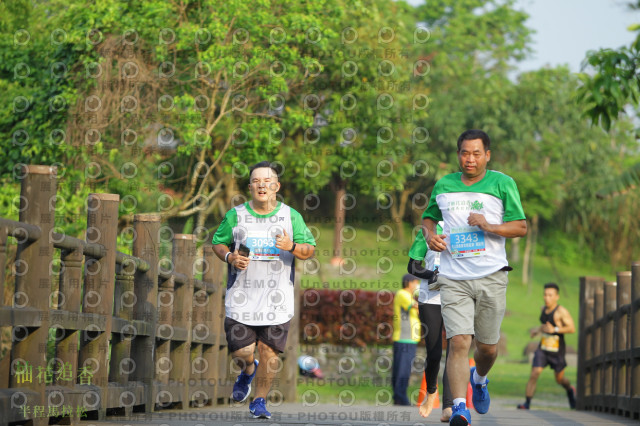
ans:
(553, 359)
(241, 335)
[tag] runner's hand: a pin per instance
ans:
(283, 242)
(238, 261)
(436, 242)
(477, 219)
(548, 328)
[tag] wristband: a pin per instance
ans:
(292, 248)
(226, 257)
(556, 329)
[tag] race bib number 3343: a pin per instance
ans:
(467, 241)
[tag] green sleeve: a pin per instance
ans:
(511, 201)
(433, 211)
(224, 233)
(301, 234)
(418, 249)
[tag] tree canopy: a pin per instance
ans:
(358, 104)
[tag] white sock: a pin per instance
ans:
(478, 379)
(457, 401)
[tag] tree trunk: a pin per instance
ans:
(534, 238)
(201, 218)
(529, 249)
(339, 188)
(514, 254)
(398, 209)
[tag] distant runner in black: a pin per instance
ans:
(556, 322)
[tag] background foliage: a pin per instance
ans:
(167, 104)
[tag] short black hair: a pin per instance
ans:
(472, 134)
(552, 285)
(261, 165)
(407, 278)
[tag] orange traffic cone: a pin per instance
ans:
(472, 363)
(423, 393)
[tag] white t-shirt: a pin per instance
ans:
(472, 253)
(262, 294)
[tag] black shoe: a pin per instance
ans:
(571, 394)
(523, 407)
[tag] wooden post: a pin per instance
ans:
(585, 375)
(3, 262)
(634, 384)
(598, 313)
(608, 363)
(585, 341)
(184, 254)
(214, 310)
(102, 227)
(33, 283)
(121, 364)
(225, 381)
(163, 349)
(197, 362)
(145, 246)
(5, 363)
(290, 371)
(69, 299)
(623, 360)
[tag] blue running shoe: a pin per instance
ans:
(460, 416)
(242, 387)
(480, 398)
(259, 409)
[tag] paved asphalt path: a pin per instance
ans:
(502, 412)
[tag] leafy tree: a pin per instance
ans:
(559, 161)
(611, 92)
(472, 44)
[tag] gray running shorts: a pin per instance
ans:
(474, 307)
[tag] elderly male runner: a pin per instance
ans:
(479, 208)
(259, 302)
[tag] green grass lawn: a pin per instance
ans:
(366, 270)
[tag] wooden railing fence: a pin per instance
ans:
(132, 333)
(609, 344)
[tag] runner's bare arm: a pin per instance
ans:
(512, 229)
(533, 332)
(565, 321)
(302, 251)
(221, 251)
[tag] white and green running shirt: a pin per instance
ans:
(472, 253)
(262, 294)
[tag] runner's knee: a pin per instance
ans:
(461, 342)
(266, 351)
(487, 350)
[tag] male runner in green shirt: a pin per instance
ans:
(480, 208)
(259, 302)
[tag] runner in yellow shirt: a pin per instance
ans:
(406, 335)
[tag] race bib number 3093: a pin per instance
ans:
(262, 248)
